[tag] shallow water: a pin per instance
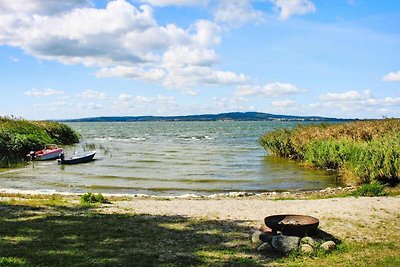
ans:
(170, 158)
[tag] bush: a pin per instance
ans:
(370, 190)
(90, 198)
(18, 137)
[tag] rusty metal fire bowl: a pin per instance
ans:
(291, 224)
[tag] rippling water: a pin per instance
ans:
(170, 158)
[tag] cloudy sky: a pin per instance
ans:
(84, 58)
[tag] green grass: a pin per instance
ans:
(57, 231)
(90, 198)
(370, 190)
(18, 137)
(361, 151)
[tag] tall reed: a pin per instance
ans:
(362, 150)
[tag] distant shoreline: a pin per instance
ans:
(232, 116)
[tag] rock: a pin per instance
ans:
(307, 240)
(255, 237)
(266, 237)
(264, 228)
(306, 248)
(265, 247)
(284, 243)
(328, 245)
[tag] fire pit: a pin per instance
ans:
(290, 224)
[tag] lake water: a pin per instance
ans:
(171, 158)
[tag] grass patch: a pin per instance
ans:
(370, 190)
(90, 198)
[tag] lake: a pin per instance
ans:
(171, 158)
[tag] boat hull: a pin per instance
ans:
(78, 159)
(48, 155)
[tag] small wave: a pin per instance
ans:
(196, 137)
(104, 139)
(148, 161)
(138, 139)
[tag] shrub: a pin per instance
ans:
(370, 190)
(90, 198)
(18, 137)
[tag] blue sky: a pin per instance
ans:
(85, 58)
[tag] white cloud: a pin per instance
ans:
(157, 105)
(54, 105)
(283, 103)
(201, 75)
(237, 12)
(206, 33)
(121, 40)
(288, 8)
(91, 106)
(182, 56)
(132, 73)
(276, 89)
(391, 101)
(44, 92)
(348, 96)
(91, 94)
(42, 6)
(357, 102)
(392, 77)
(176, 2)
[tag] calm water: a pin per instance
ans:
(170, 158)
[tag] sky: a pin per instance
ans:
(87, 58)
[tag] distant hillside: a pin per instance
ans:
(232, 116)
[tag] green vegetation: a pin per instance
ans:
(18, 137)
(370, 190)
(362, 151)
(57, 231)
(90, 198)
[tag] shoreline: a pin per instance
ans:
(326, 192)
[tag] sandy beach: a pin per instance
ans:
(350, 218)
(346, 218)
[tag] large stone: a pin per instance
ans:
(285, 244)
(255, 237)
(265, 247)
(308, 240)
(266, 237)
(306, 248)
(328, 245)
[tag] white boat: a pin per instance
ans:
(50, 151)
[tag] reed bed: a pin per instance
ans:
(362, 151)
(19, 136)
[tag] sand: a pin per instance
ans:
(363, 218)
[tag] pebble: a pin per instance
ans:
(307, 240)
(328, 245)
(306, 248)
(255, 237)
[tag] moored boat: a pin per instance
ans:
(86, 157)
(50, 151)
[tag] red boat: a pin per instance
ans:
(49, 152)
